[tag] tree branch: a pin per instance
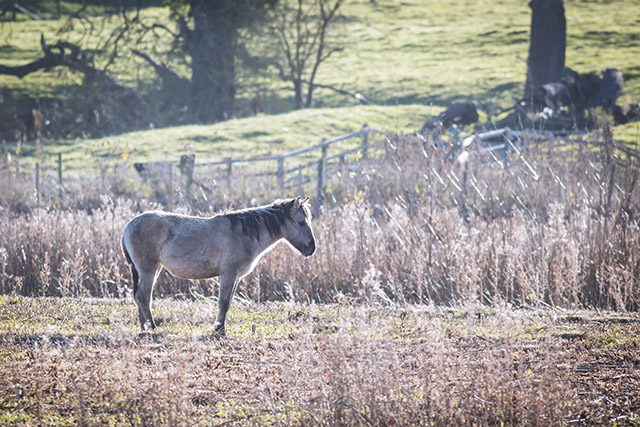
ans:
(26, 11)
(69, 55)
(168, 76)
(326, 19)
(355, 95)
(22, 70)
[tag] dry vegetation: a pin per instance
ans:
(551, 224)
(510, 240)
(81, 361)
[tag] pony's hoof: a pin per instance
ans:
(219, 333)
(150, 337)
(149, 325)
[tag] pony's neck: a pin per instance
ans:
(267, 240)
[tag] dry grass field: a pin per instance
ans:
(85, 362)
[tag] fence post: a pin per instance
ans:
(464, 209)
(60, 175)
(60, 168)
(37, 184)
(280, 173)
(190, 165)
(365, 143)
(229, 161)
(170, 186)
(187, 163)
(300, 180)
(321, 173)
(609, 163)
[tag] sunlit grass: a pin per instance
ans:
(84, 361)
(629, 134)
(395, 53)
(240, 138)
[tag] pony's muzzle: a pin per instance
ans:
(309, 249)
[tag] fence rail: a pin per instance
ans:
(490, 143)
(365, 131)
(188, 164)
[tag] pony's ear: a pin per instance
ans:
(296, 204)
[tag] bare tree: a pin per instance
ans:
(193, 53)
(300, 28)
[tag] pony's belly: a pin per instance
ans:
(191, 271)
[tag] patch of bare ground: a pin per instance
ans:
(84, 361)
(606, 372)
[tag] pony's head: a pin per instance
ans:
(298, 230)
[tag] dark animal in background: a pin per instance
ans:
(460, 113)
(632, 114)
(610, 89)
(581, 92)
(557, 95)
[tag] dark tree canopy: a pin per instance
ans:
(209, 36)
(212, 43)
(206, 38)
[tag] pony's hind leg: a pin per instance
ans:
(143, 299)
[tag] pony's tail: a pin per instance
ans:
(134, 272)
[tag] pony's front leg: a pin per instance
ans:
(227, 285)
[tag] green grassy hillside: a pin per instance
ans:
(411, 57)
(238, 138)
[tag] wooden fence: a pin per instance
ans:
(490, 142)
(188, 164)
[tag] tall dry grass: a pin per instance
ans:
(551, 223)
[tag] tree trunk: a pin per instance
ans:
(311, 99)
(547, 46)
(212, 44)
(297, 86)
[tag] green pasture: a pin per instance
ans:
(263, 135)
(411, 58)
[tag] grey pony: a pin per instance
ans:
(228, 245)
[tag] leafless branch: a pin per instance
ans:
(301, 33)
(168, 76)
(68, 55)
(26, 11)
(355, 95)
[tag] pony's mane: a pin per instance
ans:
(273, 217)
